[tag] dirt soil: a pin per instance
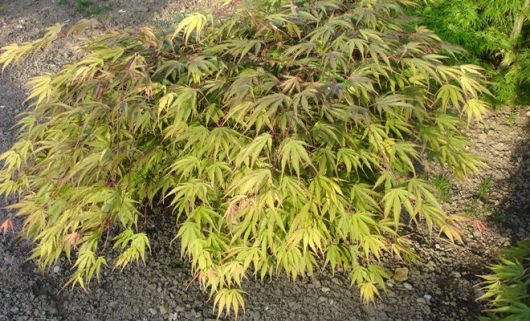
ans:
(443, 286)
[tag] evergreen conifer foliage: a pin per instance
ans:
(284, 137)
(494, 32)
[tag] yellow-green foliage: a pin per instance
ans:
(284, 137)
(508, 286)
(14, 52)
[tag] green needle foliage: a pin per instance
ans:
(494, 32)
(507, 288)
(284, 137)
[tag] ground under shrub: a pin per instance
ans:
(285, 137)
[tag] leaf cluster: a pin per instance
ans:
(285, 137)
(14, 52)
(507, 287)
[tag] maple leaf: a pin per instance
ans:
(6, 226)
(480, 226)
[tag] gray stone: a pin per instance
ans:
(421, 300)
(180, 308)
(369, 309)
(478, 292)
(164, 309)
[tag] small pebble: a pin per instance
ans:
(180, 308)
(478, 292)
(407, 286)
(421, 300)
(56, 269)
(401, 274)
(164, 310)
(325, 289)
(427, 297)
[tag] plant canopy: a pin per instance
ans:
(285, 137)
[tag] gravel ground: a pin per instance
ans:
(440, 287)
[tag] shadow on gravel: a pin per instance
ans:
(513, 212)
(11, 99)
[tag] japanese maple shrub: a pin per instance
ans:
(284, 137)
(507, 286)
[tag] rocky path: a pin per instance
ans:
(440, 287)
